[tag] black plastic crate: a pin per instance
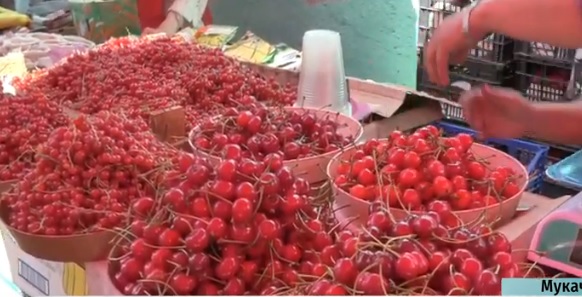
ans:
(546, 53)
(452, 93)
(432, 13)
(473, 72)
(502, 74)
(545, 83)
(494, 48)
(451, 111)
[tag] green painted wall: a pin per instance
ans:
(378, 36)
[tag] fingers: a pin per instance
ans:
(436, 63)
(429, 61)
(442, 67)
(492, 93)
(473, 105)
(148, 31)
(502, 98)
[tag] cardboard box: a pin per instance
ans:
(393, 106)
(521, 229)
(100, 283)
(169, 124)
(37, 277)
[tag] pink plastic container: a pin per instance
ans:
(312, 168)
(356, 210)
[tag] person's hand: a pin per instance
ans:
(496, 112)
(149, 31)
(171, 25)
(447, 45)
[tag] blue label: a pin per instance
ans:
(33, 277)
(541, 286)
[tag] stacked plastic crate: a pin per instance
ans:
(547, 73)
(491, 62)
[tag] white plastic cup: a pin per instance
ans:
(322, 82)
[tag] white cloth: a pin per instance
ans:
(190, 10)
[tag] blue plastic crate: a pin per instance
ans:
(532, 155)
(567, 172)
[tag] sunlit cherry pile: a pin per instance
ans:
(248, 228)
(258, 131)
(417, 256)
(87, 175)
(242, 227)
(411, 171)
(25, 122)
(144, 74)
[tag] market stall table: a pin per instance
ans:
(400, 108)
(519, 231)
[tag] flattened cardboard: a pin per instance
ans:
(394, 106)
(169, 124)
(5, 186)
(521, 229)
(399, 107)
(36, 277)
(282, 76)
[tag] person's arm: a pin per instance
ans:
(172, 23)
(180, 14)
(557, 22)
(189, 11)
(556, 122)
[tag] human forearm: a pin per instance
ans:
(173, 23)
(556, 122)
(190, 11)
(557, 22)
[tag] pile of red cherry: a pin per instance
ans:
(242, 227)
(257, 131)
(417, 256)
(25, 122)
(142, 74)
(411, 171)
(87, 175)
(249, 227)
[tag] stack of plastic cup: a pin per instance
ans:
(322, 82)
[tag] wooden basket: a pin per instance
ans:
(79, 248)
(351, 207)
(311, 168)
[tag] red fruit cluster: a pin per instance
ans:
(248, 227)
(142, 74)
(25, 122)
(87, 175)
(412, 171)
(257, 131)
(417, 256)
(242, 227)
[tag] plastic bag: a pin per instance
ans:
(58, 53)
(100, 20)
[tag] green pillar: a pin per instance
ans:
(378, 36)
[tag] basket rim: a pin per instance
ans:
(522, 187)
(6, 226)
(357, 138)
